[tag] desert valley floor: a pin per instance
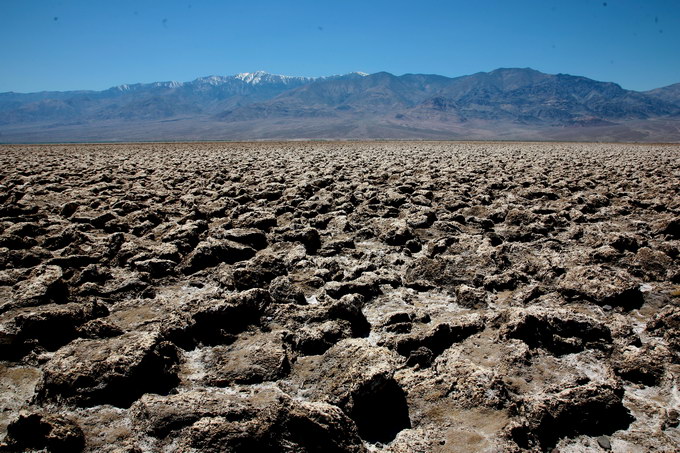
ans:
(340, 297)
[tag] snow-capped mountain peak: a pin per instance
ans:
(258, 77)
(213, 80)
(252, 77)
(137, 86)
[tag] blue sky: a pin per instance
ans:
(94, 44)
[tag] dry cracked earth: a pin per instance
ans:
(340, 297)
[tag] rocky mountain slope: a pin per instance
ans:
(520, 95)
(145, 101)
(505, 103)
(340, 297)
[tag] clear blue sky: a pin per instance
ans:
(96, 44)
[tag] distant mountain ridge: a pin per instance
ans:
(669, 93)
(507, 103)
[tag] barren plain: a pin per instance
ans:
(340, 297)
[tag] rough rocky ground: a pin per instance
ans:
(340, 297)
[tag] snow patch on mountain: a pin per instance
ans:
(257, 77)
(137, 86)
(212, 80)
(250, 78)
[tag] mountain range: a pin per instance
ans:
(505, 104)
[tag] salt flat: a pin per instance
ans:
(340, 296)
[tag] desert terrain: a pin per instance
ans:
(340, 297)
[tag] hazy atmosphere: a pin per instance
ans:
(73, 45)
